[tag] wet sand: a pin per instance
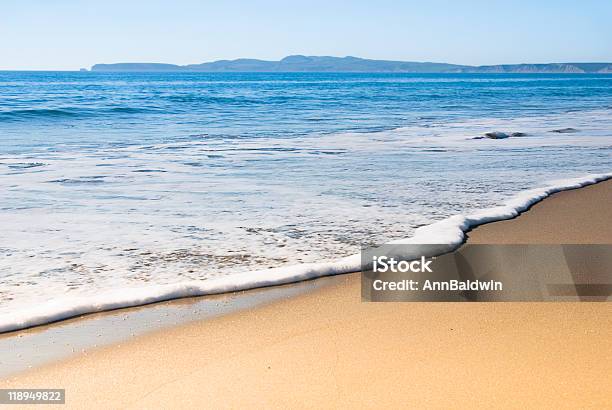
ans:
(328, 349)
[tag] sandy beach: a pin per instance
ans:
(327, 349)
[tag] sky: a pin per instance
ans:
(70, 34)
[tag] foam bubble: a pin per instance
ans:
(448, 233)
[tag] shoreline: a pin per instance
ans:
(350, 352)
(77, 335)
(451, 231)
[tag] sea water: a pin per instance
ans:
(124, 188)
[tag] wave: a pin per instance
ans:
(446, 236)
(128, 110)
(25, 165)
(214, 99)
(68, 112)
(38, 113)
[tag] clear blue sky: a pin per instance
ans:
(69, 34)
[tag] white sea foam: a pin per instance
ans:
(448, 234)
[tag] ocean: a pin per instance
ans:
(118, 189)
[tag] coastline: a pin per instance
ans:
(353, 353)
(451, 232)
(53, 342)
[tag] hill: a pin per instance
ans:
(299, 63)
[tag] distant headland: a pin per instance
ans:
(299, 63)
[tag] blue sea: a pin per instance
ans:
(123, 188)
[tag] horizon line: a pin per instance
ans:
(88, 68)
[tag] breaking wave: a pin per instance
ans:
(447, 235)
